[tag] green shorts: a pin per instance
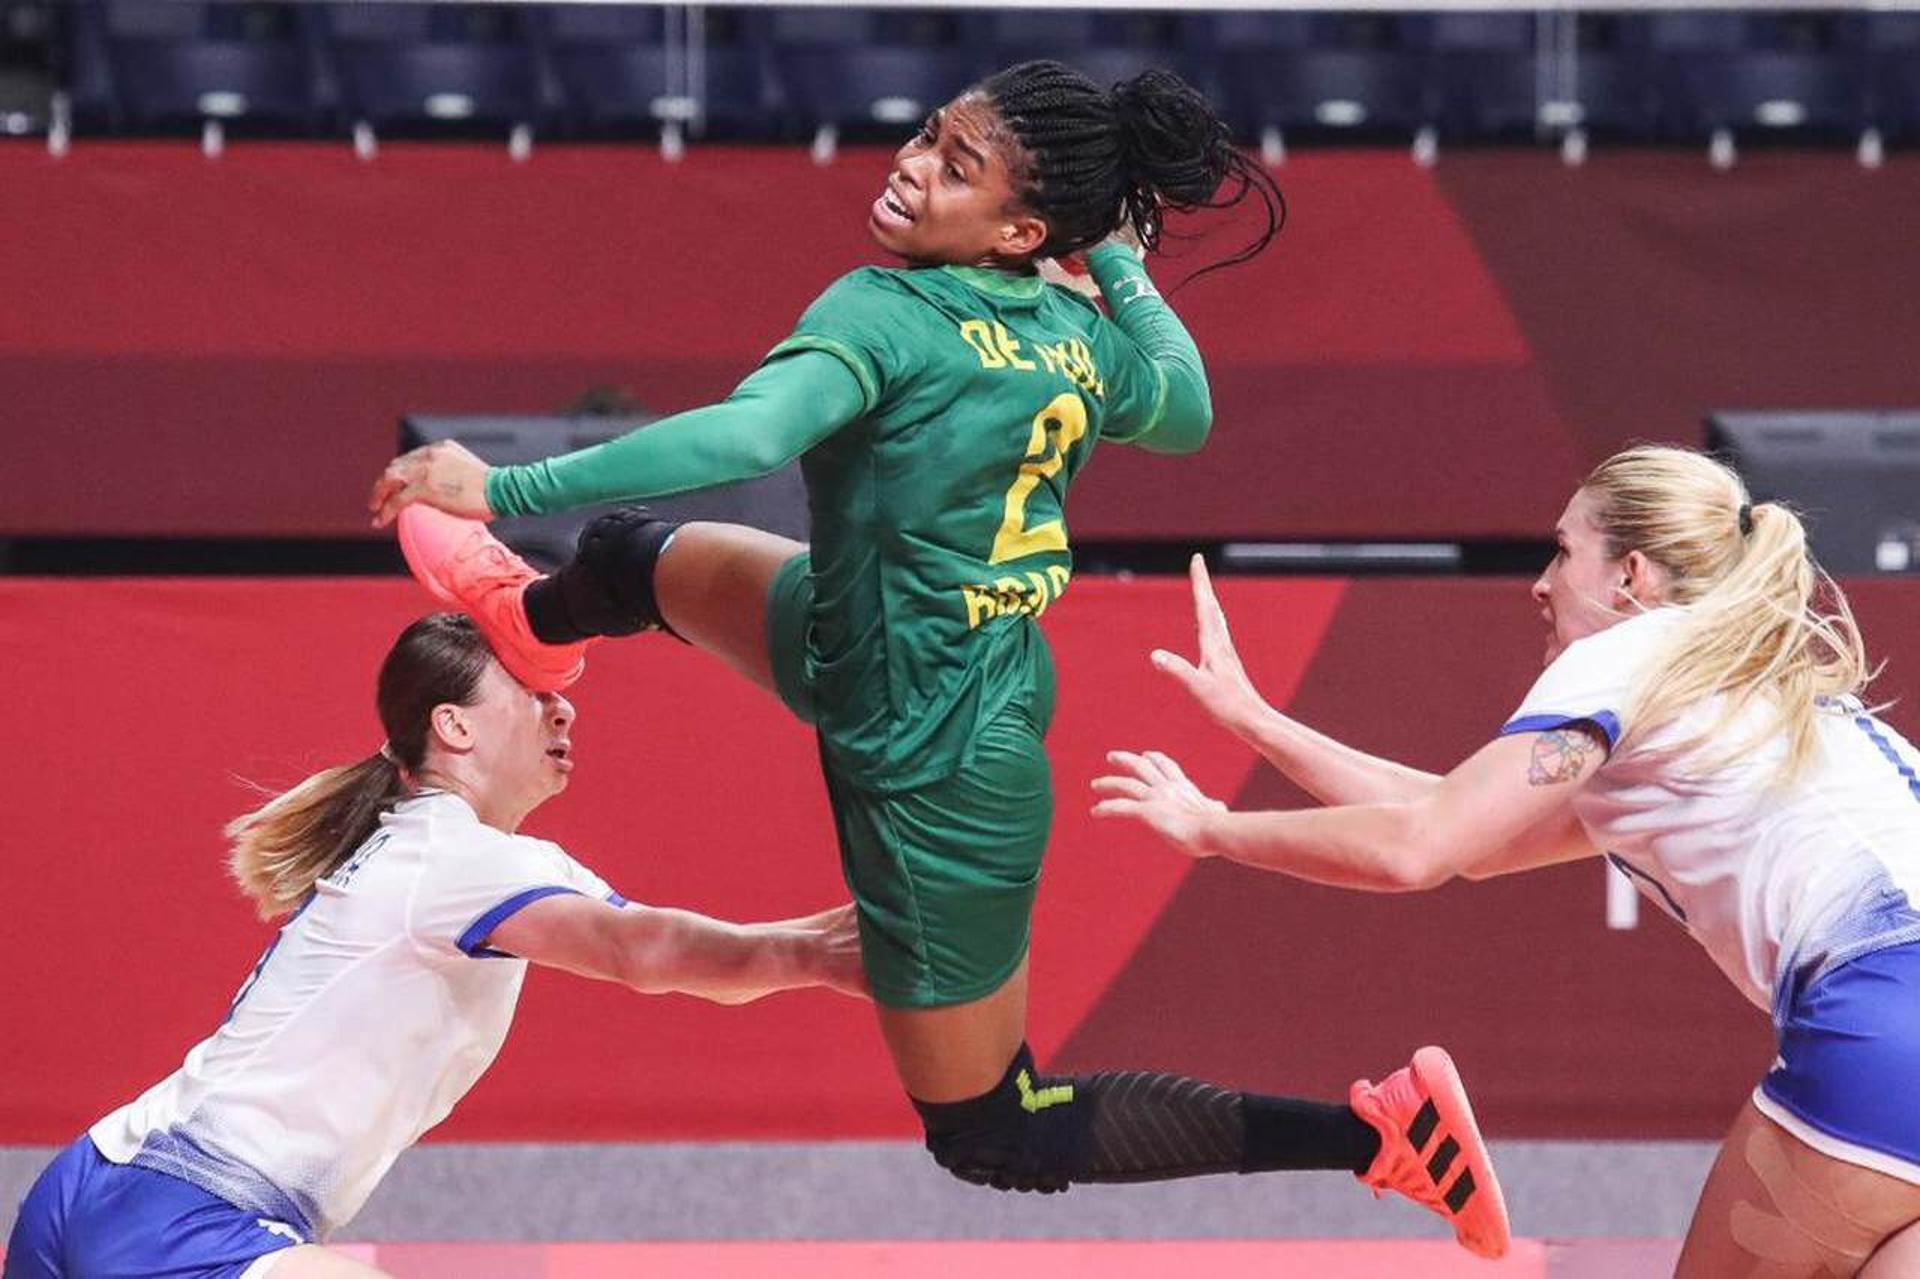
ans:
(943, 873)
(789, 604)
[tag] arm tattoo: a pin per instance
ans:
(1559, 756)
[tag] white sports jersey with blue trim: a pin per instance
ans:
(375, 1010)
(1774, 882)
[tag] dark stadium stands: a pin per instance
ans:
(861, 70)
(1486, 72)
(773, 73)
(1892, 54)
(427, 67)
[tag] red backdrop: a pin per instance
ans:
(223, 347)
(136, 708)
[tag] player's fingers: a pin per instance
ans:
(382, 487)
(1132, 763)
(1165, 765)
(1207, 613)
(1121, 787)
(396, 501)
(1117, 808)
(1167, 771)
(408, 468)
(1175, 665)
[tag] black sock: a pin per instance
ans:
(546, 607)
(1285, 1132)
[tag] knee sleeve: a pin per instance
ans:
(1028, 1133)
(607, 587)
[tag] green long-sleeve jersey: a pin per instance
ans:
(940, 415)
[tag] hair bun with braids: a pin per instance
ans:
(1149, 145)
(1171, 142)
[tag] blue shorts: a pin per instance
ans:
(1849, 1056)
(88, 1218)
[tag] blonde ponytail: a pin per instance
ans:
(281, 849)
(1764, 625)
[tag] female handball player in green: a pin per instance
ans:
(940, 411)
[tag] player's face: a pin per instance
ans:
(1582, 591)
(521, 740)
(949, 199)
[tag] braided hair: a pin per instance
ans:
(1095, 158)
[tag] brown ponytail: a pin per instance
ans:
(281, 849)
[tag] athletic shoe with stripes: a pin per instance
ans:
(462, 564)
(1431, 1150)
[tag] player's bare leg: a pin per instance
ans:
(1899, 1256)
(711, 586)
(961, 1051)
(1776, 1208)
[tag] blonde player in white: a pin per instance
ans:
(1699, 723)
(413, 909)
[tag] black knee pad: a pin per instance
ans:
(607, 587)
(1028, 1133)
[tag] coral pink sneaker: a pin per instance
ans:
(464, 565)
(1431, 1150)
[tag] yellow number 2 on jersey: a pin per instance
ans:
(1055, 430)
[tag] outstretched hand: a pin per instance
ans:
(1149, 787)
(446, 475)
(1217, 681)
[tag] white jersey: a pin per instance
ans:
(1774, 882)
(375, 1009)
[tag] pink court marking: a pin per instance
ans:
(1081, 1259)
(1216, 1259)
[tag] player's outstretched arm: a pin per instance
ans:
(659, 950)
(1331, 771)
(1505, 808)
(781, 410)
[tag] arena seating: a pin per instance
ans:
(1486, 72)
(423, 66)
(1892, 55)
(153, 66)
